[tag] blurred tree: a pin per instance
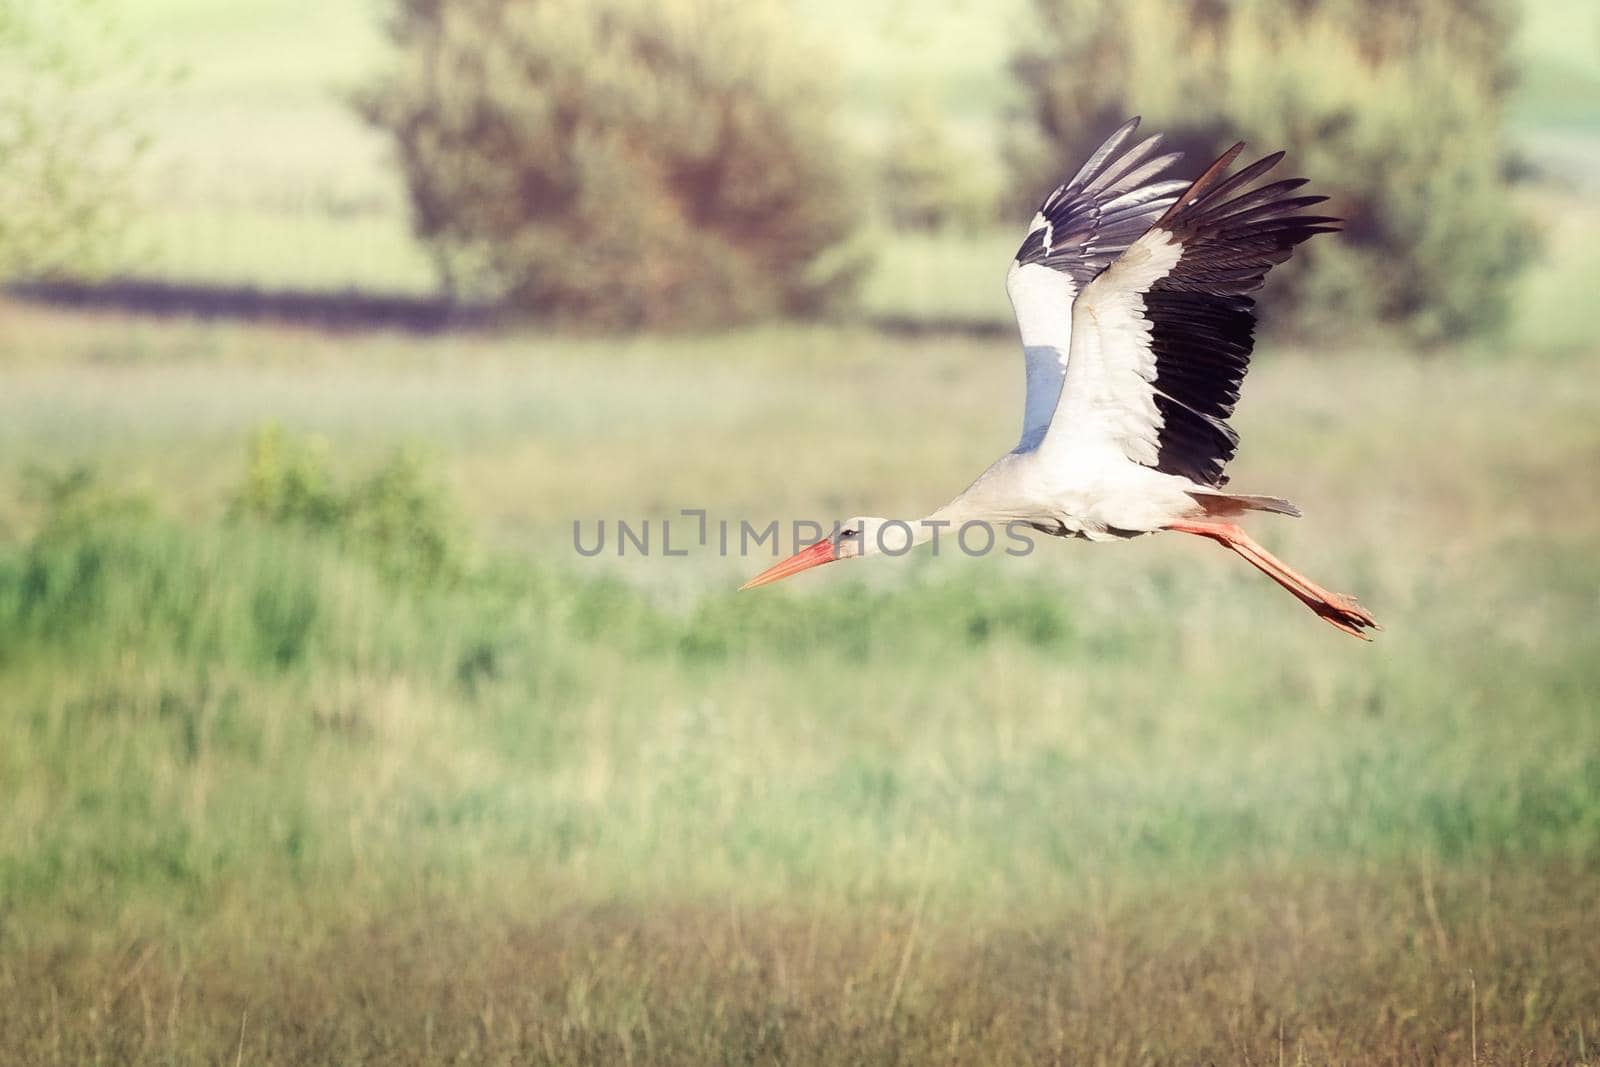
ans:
(1395, 110)
(924, 181)
(67, 145)
(622, 162)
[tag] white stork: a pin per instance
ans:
(1130, 292)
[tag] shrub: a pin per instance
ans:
(75, 497)
(66, 150)
(399, 517)
(1395, 111)
(621, 162)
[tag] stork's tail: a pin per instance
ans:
(1220, 505)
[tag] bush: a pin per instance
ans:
(621, 162)
(1395, 111)
(398, 517)
(75, 497)
(66, 150)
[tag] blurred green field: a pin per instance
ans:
(263, 800)
(568, 810)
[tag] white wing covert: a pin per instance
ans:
(1161, 340)
(1080, 230)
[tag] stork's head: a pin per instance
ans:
(864, 535)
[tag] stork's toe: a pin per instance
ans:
(1342, 612)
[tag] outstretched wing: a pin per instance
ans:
(1078, 232)
(1162, 338)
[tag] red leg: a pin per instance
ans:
(1340, 611)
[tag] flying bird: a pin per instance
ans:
(1131, 293)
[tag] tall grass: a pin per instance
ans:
(250, 763)
(260, 708)
(265, 794)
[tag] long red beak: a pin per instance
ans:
(805, 559)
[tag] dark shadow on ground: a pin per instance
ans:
(339, 310)
(354, 309)
(906, 326)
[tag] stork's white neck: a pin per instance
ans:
(1042, 300)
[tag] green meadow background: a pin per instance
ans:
(320, 744)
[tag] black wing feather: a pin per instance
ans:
(1112, 200)
(1202, 322)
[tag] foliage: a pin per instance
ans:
(66, 151)
(1394, 111)
(925, 182)
(625, 163)
(76, 498)
(398, 516)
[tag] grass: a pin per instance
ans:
(1099, 803)
(1560, 84)
(1275, 968)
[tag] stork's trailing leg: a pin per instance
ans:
(1341, 611)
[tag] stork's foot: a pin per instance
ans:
(1341, 611)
